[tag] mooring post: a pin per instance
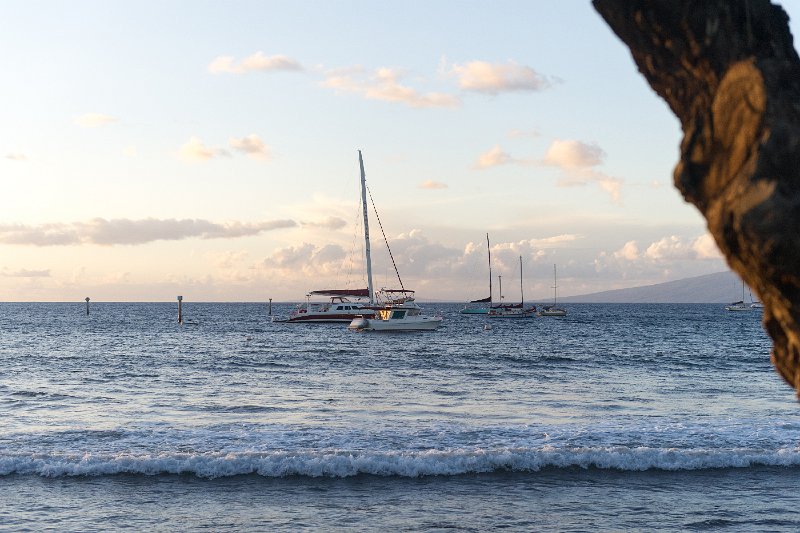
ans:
(87, 306)
(270, 307)
(180, 311)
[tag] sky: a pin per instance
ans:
(210, 149)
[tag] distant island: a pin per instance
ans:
(720, 287)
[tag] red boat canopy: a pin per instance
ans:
(358, 293)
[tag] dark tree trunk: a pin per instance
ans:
(729, 71)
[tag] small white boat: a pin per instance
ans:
(553, 310)
(757, 305)
(477, 307)
(400, 315)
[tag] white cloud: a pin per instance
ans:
(17, 156)
(629, 252)
(252, 145)
(25, 273)
(126, 231)
(331, 223)
(705, 247)
(195, 150)
(493, 78)
(570, 154)
(130, 151)
(432, 185)
(384, 84)
(257, 62)
(518, 134)
(577, 160)
(493, 158)
(95, 120)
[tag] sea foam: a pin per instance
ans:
(342, 463)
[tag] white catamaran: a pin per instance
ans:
(395, 309)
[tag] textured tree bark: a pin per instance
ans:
(729, 71)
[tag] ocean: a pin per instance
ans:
(614, 418)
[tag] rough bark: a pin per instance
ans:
(729, 71)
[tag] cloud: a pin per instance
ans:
(95, 120)
(430, 184)
(132, 232)
(308, 260)
(195, 150)
(331, 223)
(629, 252)
(671, 248)
(517, 134)
(16, 156)
(705, 247)
(577, 160)
(130, 151)
(493, 78)
(25, 273)
(252, 145)
(384, 84)
(570, 154)
(257, 62)
(493, 158)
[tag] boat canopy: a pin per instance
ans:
(398, 290)
(356, 293)
(482, 301)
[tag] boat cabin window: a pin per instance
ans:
(338, 307)
(398, 314)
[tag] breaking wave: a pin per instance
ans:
(342, 463)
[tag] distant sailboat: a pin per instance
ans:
(554, 310)
(738, 306)
(479, 309)
(512, 310)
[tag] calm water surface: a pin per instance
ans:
(649, 417)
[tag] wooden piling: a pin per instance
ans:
(180, 311)
(87, 306)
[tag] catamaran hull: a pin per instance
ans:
(341, 318)
(369, 324)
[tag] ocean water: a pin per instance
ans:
(616, 417)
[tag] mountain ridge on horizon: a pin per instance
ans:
(719, 287)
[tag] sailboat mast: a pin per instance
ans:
(366, 228)
(555, 286)
(521, 296)
(489, 249)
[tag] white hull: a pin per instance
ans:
(421, 323)
(553, 312)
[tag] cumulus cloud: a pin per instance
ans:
(25, 273)
(493, 158)
(252, 145)
(671, 248)
(570, 154)
(430, 184)
(195, 150)
(629, 252)
(95, 120)
(493, 78)
(16, 156)
(258, 62)
(384, 84)
(132, 232)
(578, 161)
(308, 260)
(330, 222)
